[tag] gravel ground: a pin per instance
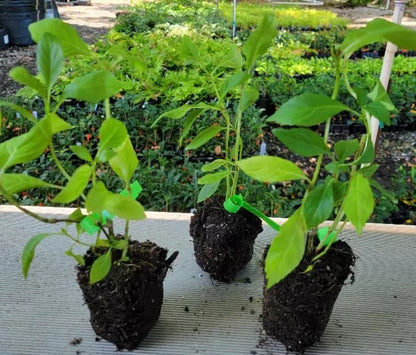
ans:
(396, 148)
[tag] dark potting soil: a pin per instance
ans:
(126, 304)
(223, 242)
(297, 309)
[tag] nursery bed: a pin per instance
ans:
(45, 314)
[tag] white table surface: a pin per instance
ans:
(43, 314)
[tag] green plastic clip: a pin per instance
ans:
(135, 189)
(326, 238)
(88, 223)
(234, 203)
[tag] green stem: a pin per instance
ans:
(237, 151)
(108, 236)
(94, 175)
(126, 229)
(333, 227)
(33, 214)
(59, 165)
(310, 238)
(227, 146)
(58, 105)
(56, 160)
(107, 108)
(327, 123)
(77, 240)
(337, 232)
(346, 81)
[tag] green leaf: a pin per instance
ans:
(103, 243)
(183, 110)
(248, 97)
(231, 82)
(212, 178)
(318, 204)
(81, 152)
(287, 249)
(208, 190)
(270, 169)
(337, 168)
(369, 171)
(23, 76)
(79, 258)
(50, 59)
(75, 186)
(93, 87)
(380, 95)
(345, 148)
(65, 34)
(29, 251)
(76, 216)
(379, 111)
(112, 133)
(204, 136)
(188, 49)
(100, 199)
(101, 267)
(302, 141)
(15, 183)
(120, 244)
(233, 59)
(25, 113)
(339, 190)
(125, 162)
(362, 97)
(259, 41)
(29, 146)
(190, 119)
(214, 165)
(367, 156)
(307, 110)
(359, 202)
(382, 190)
(378, 30)
(105, 155)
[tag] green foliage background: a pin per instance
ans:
(143, 52)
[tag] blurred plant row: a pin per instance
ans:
(144, 52)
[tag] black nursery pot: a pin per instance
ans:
(296, 311)
(126, 304)
(223, 241)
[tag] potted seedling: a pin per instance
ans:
(121, 278)
(223, 241)
(304, 274)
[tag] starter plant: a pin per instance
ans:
(121, 278)
(223, 241)
(305, 267)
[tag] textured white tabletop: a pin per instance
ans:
(42, 315)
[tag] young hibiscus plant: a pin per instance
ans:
(346, 192)
(56, 42)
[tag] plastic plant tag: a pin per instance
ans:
(135, 189)
(324, 238)
(88, 223)
(234, 203)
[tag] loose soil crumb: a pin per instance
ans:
(76, 341)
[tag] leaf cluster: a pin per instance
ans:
(57, 41)
(347, 190)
